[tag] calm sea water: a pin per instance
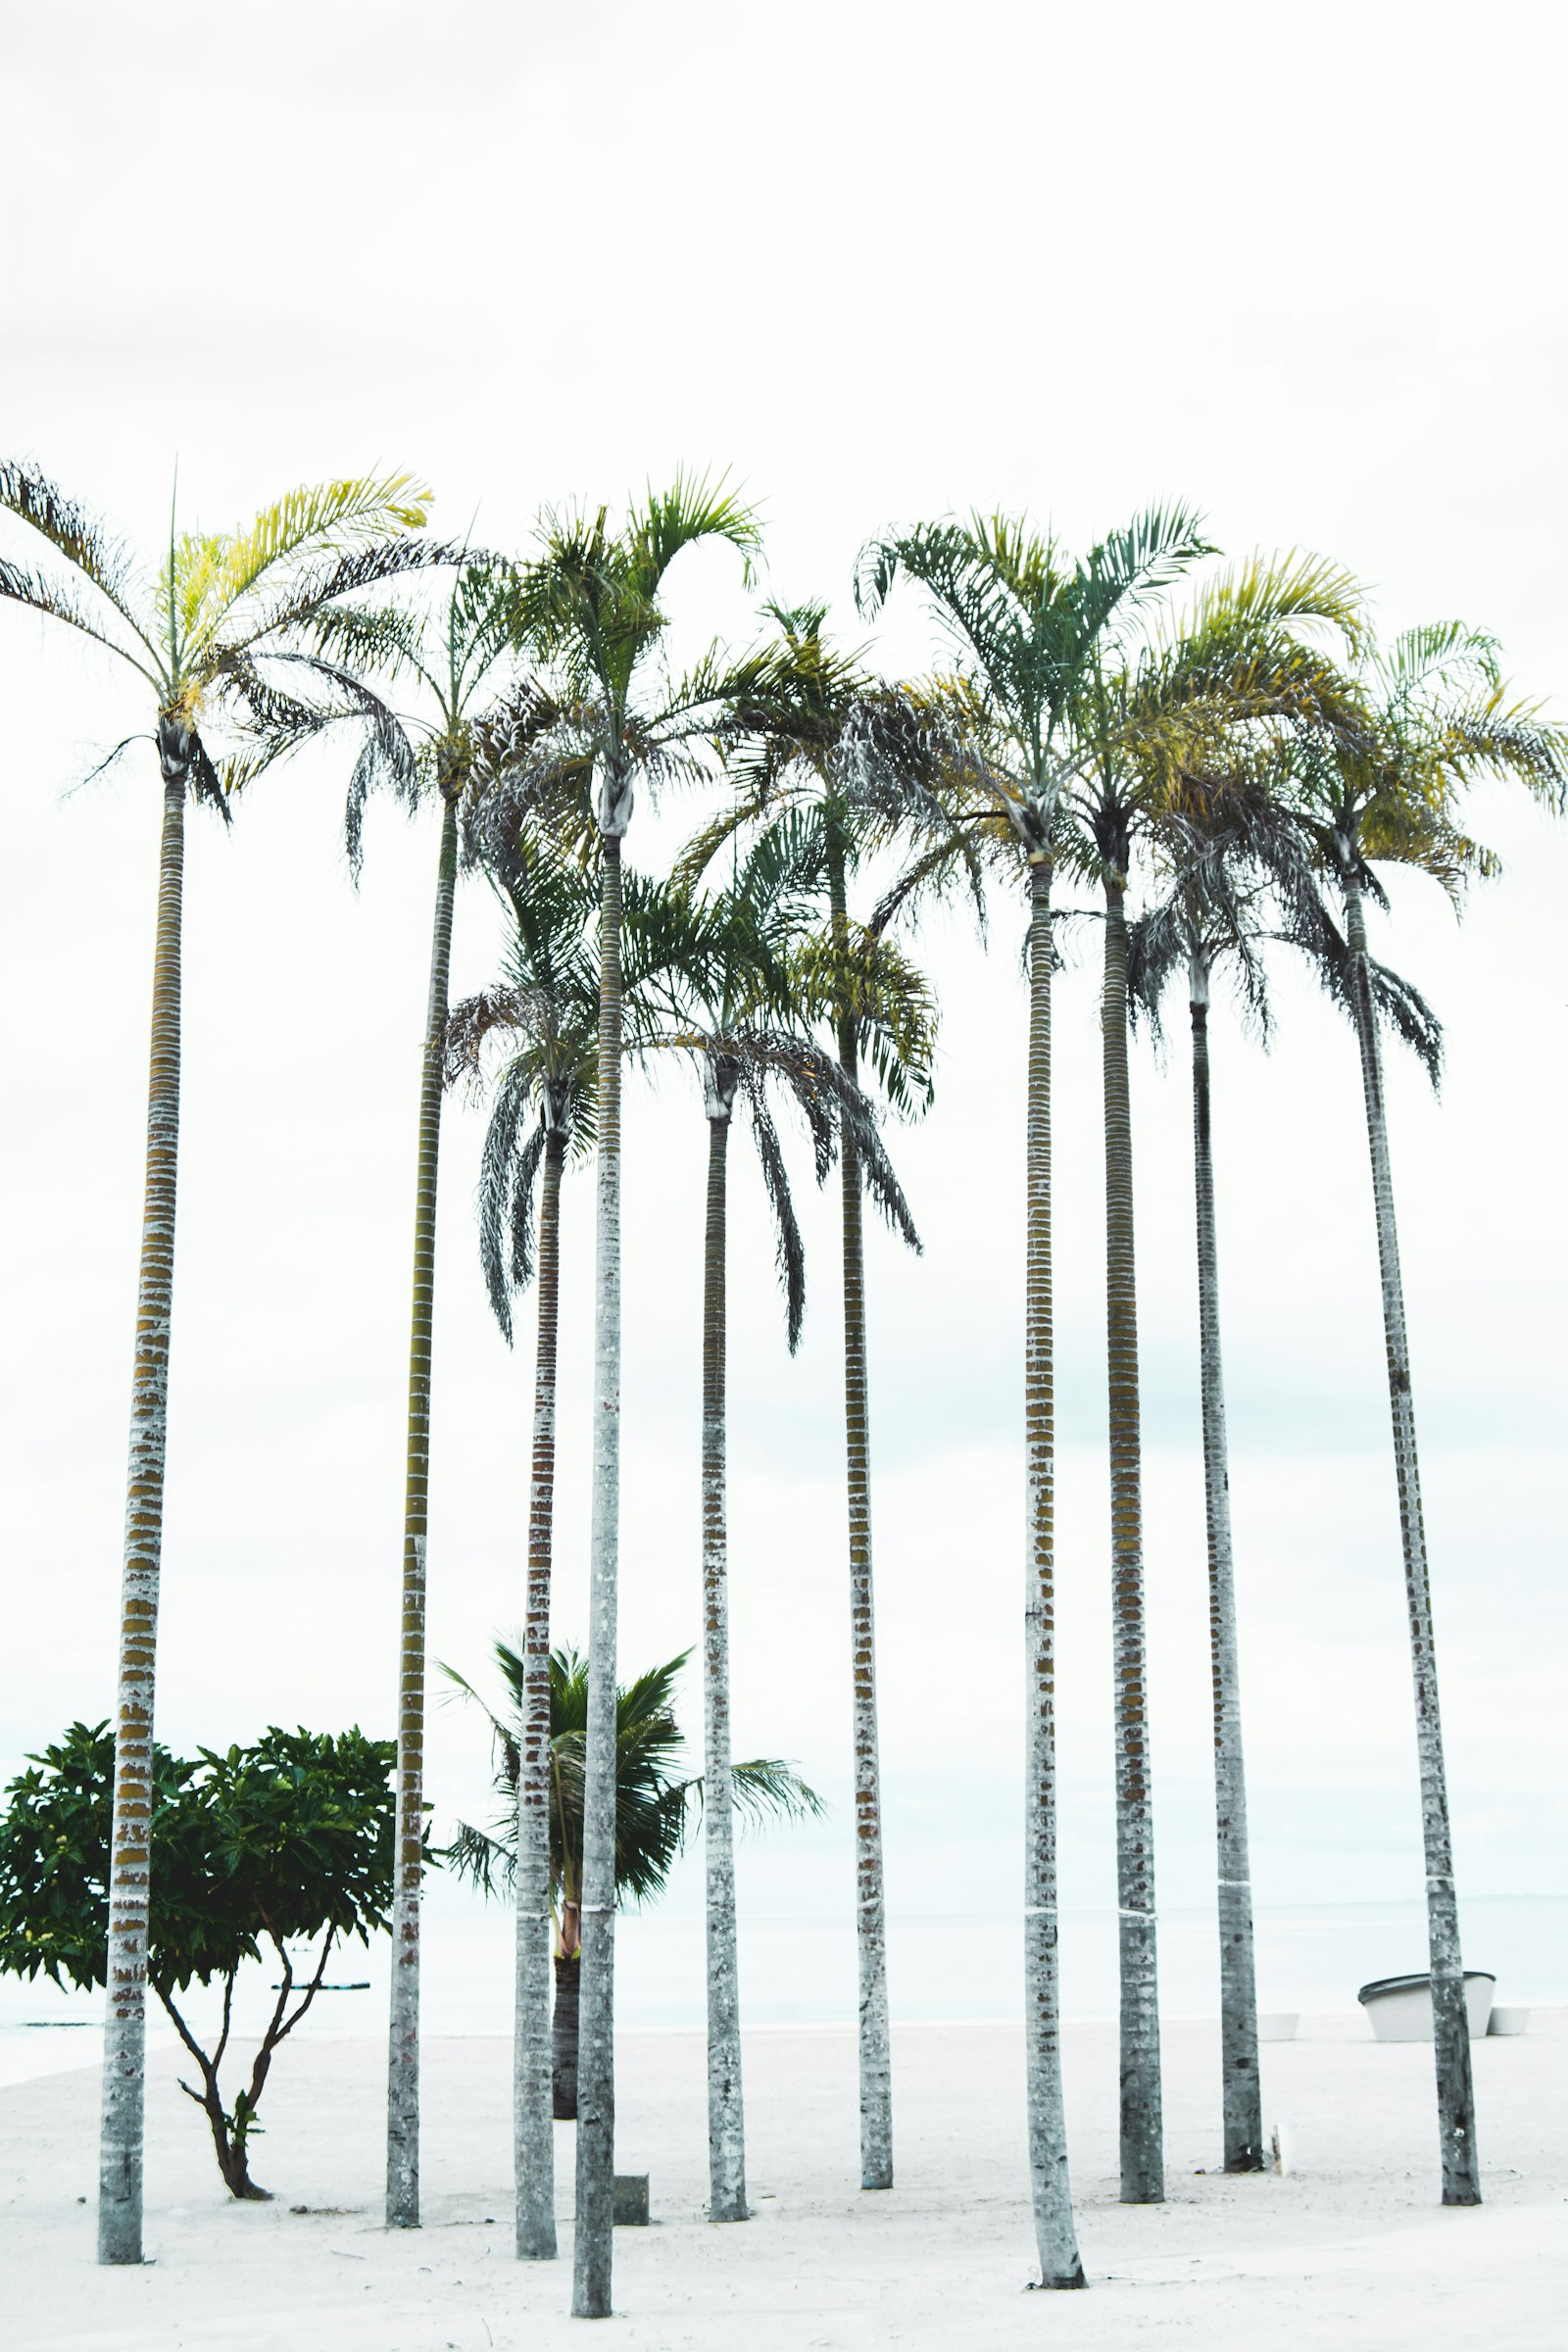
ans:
(801, 1971)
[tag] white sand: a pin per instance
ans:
(1350, 2248)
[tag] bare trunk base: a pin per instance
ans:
(1143, 2167)
(233, 2164)
(563, 2037)
(1241, 2093)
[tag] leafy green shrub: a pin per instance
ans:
(284, 1841)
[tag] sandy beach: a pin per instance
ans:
(1348, 2246)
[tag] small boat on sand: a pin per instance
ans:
(1400, 2008)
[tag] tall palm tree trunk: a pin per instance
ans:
(870, 1907)
(593, 2237)
(1054, 2235)
(1142, 2172)
(533, 2097)
(120, 2143)
(403, 2051)
(726, 2138)
(1241, 2090)
(1457, 2118)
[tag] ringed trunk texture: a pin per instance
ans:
(403, 2047)
(1456, 2119)
(564, 2035)
(1143, 2171)
(120, 2143)
(533, 2099)
(1241, 2090)
(726, 2130)
(593, 2236)
(1055, 2233)
(870, 1908)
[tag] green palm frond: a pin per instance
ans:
(1382, 777)
(707, 695)
(485, 623)
(588, 603)
(1511, 739)
(487, 1863)
(1236, 660)
(694, 508)
(656, 1804)
(543, 1016)
(1267, 593)
(1438, 658)
(321, 584)
(857, 974)
(723, 833)
(975, 601)
(1127, 569)
(211, 647)
(1032, 636)
(212, 572)
(767, 1788)
(804, 833)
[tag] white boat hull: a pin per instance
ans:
(1400, 2008)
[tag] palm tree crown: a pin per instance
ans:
(569, 747)
(735, 970)
(656, 1804)
(544, 1015)
(207, 624)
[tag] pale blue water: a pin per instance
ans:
(941, 1964)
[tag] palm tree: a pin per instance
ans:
(452, 654)
(1234, 664)
(1223, 846)
(206, 631)
(653, 1810)
(786, 774)
(735, 1010)
(545, 1016)
(1029, 628)
(571, 755)
(1386, 785)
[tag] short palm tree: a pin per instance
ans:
(734, 1007)
(1030, 628)
(1386, 785)
(569, 754)
(653, 1811)
(457, 656)
(879, 1006)
(215, 632)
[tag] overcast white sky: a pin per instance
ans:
(1303, 266)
